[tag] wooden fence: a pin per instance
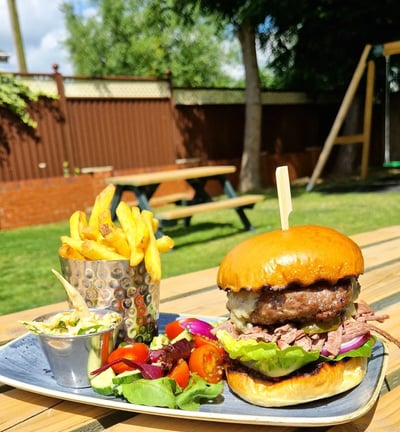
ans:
(136, 123)
(90, 124)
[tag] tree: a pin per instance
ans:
(147, 38)
(316, 45)
(250, 178)
(246, 17)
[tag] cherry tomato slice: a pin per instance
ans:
(180, 373)
(199, 340)
(207, 361)
(173, 329)
(137, 351)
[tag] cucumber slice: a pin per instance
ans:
(185, 334)
(126, 377)
(103, 382)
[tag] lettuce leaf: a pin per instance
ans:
(151, 392)
(196, 392)
(165, 392)
(266, 357)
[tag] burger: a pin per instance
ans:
(295, 332)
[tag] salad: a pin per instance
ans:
(181, 368)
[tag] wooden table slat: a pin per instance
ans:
(171, 175)
(380, 254)
(17, 405)
(372, 237)
(384, 417)
(32, 412)
(147, 423)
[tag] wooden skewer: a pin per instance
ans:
(284, 195)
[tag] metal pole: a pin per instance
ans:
(387, 111)
(16, 31)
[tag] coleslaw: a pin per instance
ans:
(70, 323)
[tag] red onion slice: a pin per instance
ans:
(148, 371)
(199, 327)
(349, 345)
(354, 343)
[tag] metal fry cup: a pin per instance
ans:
(118, 286)
(73, 358)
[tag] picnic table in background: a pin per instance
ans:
(145, 185)
(196, 294)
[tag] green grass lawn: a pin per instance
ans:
(28, 254)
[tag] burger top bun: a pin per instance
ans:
(301, 254)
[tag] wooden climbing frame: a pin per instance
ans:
(366, 62)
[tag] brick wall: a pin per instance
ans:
(54, 199)
(42, 201)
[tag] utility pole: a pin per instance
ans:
(16, 31)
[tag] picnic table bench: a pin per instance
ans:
(144, 186)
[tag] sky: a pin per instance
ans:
(43, 30)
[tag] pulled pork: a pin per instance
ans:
(288, 334)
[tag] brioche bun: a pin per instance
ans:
(302, 255)
(329, 380)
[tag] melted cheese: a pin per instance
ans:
(241, 305)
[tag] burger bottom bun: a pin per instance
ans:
(331, 379)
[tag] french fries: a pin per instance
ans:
(73, 243)
(96, 251)
(74, 224)
(132, 239)
(164, 243)
(114, 237)
(129, 225)
(66, 251)
(101, 204)
(151, 254)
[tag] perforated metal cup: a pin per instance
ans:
(125, 289)
(73, 358)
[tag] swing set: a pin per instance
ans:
(369, 54)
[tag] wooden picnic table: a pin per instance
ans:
(196, 294)
(145, 185)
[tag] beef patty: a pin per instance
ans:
(318, 302)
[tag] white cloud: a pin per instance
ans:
(43, 30)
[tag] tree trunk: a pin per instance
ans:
(250, 165)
